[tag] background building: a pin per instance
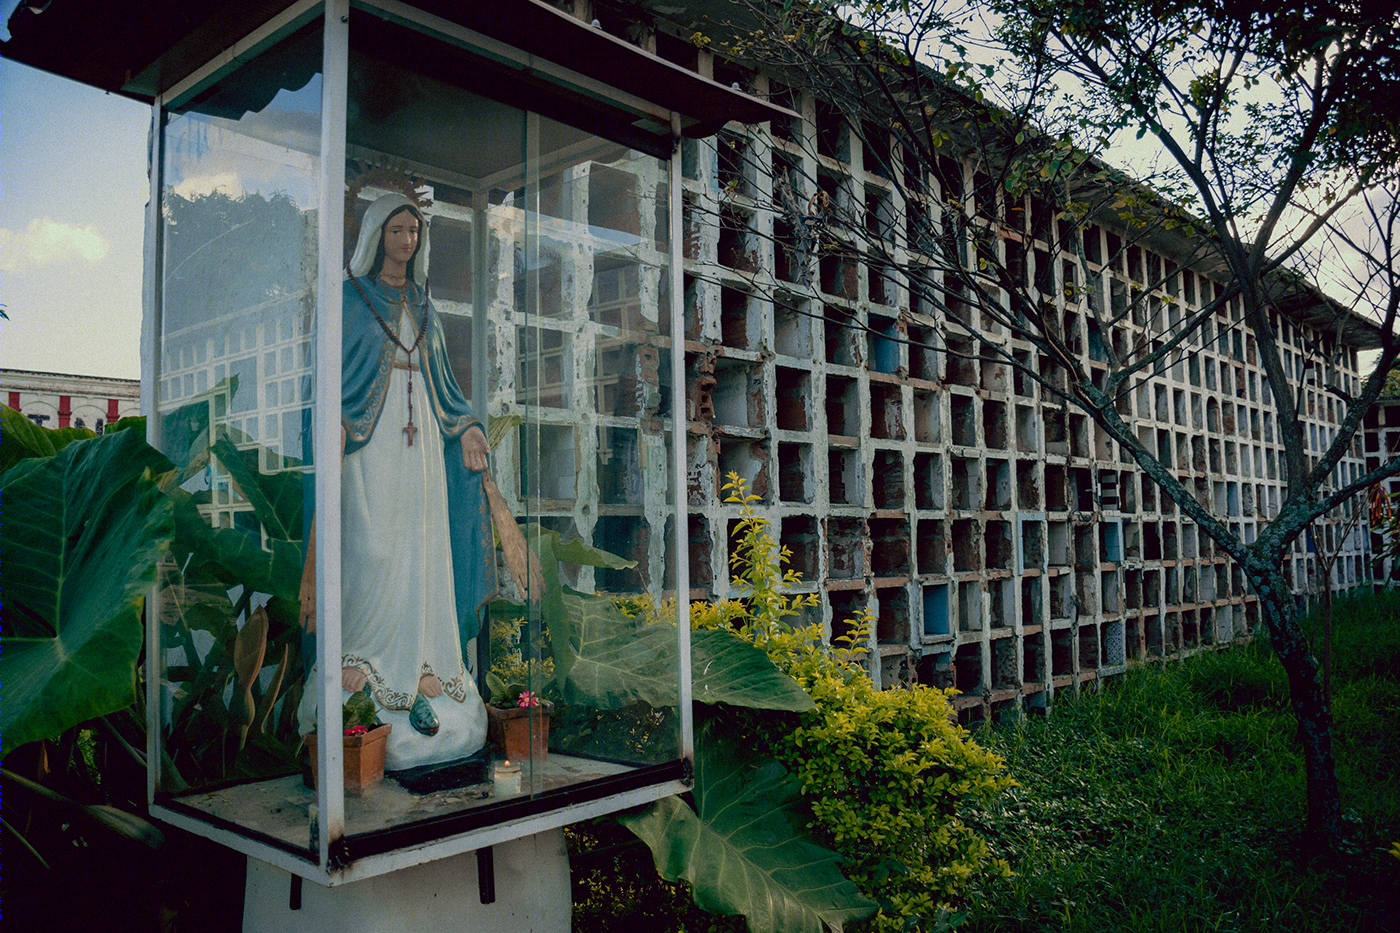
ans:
(1005, 544)
(63, 400)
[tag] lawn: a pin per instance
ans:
(1171, 799)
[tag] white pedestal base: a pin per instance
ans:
(532, 896)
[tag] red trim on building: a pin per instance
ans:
(113, 416)
(14, 401)
(65, 410)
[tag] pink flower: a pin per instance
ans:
(356, 730)
(527, 699)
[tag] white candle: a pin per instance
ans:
(505, 782)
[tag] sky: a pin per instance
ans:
(73, 193)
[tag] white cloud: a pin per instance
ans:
(196, 185)
(49, 241)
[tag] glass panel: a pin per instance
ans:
(233, 407)
(594, 446)
(490, 459)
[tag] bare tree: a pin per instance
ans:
(1004, 224)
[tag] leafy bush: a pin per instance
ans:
(885, 773)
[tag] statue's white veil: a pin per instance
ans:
(381, 210)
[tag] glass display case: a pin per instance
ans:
(413, 356)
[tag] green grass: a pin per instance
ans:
(1172, 799)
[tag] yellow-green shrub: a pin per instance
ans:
(884, 772)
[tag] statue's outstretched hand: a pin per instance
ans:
(528, 575)
(526, 571)
(475, 450)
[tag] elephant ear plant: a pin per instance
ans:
(85, 527)
(92, 522)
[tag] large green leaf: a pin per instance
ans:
(233, 555)
(580, 625)
(277, 498)
(135, 423)
(606, 659)
(726, 669)
(83, 532)
(575, 551)
(615, 660)
(743, 849)
(21, 438)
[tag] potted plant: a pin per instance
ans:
(518, 720)
(365, 744)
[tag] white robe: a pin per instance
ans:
(398, 611)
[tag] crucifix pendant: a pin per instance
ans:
(409, 429)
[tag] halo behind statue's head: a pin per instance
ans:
(371, 230)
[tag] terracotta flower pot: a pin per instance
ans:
(510, 729)
(363, 758)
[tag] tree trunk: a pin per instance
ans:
(1327, 638)
(1309, 705)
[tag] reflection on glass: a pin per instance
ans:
(233, 409)
(590, 253)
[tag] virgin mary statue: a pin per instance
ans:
(418, 559)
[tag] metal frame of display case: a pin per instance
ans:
(341, 858)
